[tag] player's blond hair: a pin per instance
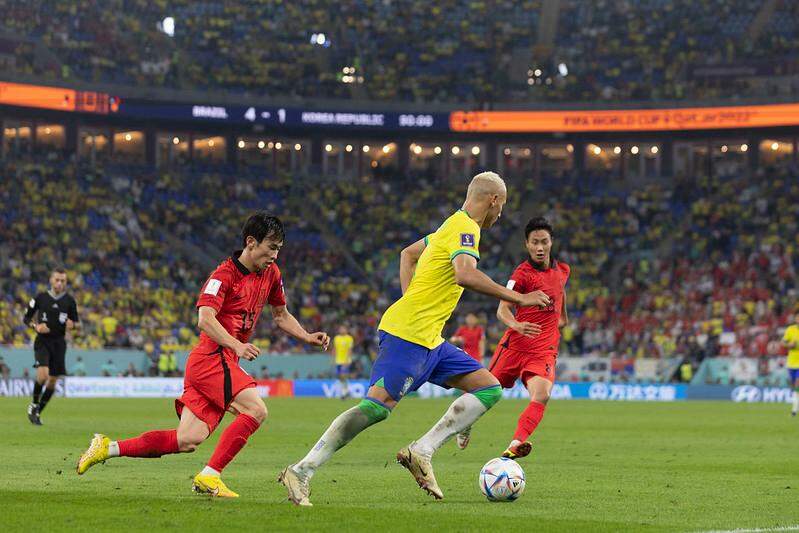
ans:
(486, 183)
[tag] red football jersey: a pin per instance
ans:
(238, 296)
(528, 278)
(471, 340)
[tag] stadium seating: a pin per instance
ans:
(116, 227)
(472, 53)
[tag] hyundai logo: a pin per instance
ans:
(746, 393)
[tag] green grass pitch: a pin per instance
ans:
(596, 466)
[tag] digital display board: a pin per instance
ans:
(688, 118)
(550, 121)
(286, 116)
(59, 99)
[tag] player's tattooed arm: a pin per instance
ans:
(506, 316)
(288, 323)
(209, 325)
(408, 258)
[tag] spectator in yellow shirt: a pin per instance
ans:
(791, 341)
(342, 351)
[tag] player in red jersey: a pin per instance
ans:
(473, 339)
(229, 305)
(529, 348)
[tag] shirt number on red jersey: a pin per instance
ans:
(247, 321)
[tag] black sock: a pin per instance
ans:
(48, 393)
(37, 391)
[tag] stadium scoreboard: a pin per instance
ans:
(539, 121)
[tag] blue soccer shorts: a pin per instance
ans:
(402, 366)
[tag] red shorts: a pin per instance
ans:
(508, 365)
(211, 382)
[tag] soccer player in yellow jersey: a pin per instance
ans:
(791, 341)
(342, 348)
(433, 273)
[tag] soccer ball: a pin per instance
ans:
(501, 480)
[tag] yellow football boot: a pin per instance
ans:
(97, 453)
(518, 450)
(212, 485)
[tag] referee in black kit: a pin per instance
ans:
(55, 312)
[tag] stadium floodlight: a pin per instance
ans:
(175, 140)
(563, 70)
(654, 149)
(617, 150)
(298, 147)
(537, 72)
(386, 148)
(417, 149)
(437, 150)
(242, 144)
(597, 150)
(775, 145)
(167, 26)
(724, 148)
(128, 137)
(278, 145)
(328, 148)
(261, 144)
(456, 150)
(475, 150)
(744, 147)
(365, 148)
(634, 150)
(320, 39)
(348, 148)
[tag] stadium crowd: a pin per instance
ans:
(475, 53)
(710, 274)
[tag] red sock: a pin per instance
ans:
(150, 444)
(232, 441)
(528, 420)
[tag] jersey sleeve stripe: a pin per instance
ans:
(467, 252)
(427, 240)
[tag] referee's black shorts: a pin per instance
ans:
(51, 352)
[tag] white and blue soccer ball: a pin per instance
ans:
(501, 480)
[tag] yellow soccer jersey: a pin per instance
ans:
(420, 315)
(792, 335)
(342, 345)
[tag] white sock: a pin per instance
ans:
(461, 414)
(208, 471)
(113, 449)
(795, 402)
(343, 429)
(514, 442)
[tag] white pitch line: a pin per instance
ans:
(756, 530)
